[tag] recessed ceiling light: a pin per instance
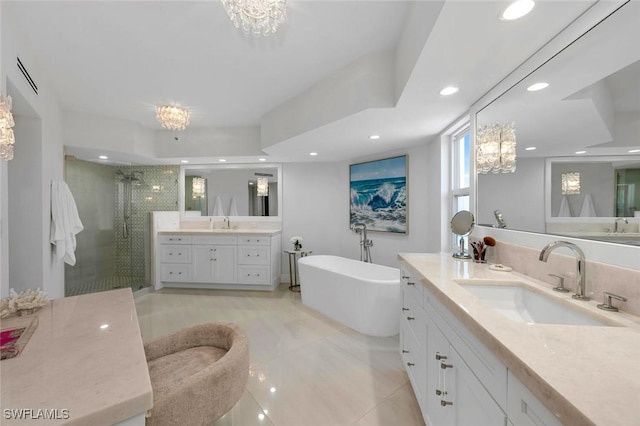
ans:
(103, 157)
(222, 160)
(581, 152)
(374, 137)
(313, 153)
(537, 86)
(262, 159)
(633, 151)
(104, 326)
(250, 183)
(449, 90)
(530, 148)
(517, 9)
(184, 161)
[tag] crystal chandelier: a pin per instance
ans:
(263, 187)
(570, 183)
(256, 16)
(7, 139)
(173, 117)
(198, 187)
(496, 148)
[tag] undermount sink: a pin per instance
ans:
(519, 303)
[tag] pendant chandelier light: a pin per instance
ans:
(496, 149)
(198, 187)
(263, 187)
(173, 117)
(7, 139)
(256, 16)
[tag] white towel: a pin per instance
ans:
(217, 208)
(233, 207)
(588, 210)
(565, 211)
(65, 222)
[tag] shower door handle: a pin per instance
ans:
(125, 230)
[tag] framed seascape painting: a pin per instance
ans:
(379, 194)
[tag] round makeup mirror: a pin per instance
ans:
(462, 224)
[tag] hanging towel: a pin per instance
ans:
(565, 211)
(233, 208)
(588, 210)
(65, 222)
(217, 208)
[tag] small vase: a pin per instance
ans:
(28, 311)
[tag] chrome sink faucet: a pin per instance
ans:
(227, 221)
(580, 264)
(615, 229)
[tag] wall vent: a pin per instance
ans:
(26, 75)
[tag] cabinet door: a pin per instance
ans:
(202, 263)
(467, 398)
(437, 357)
(224, 264)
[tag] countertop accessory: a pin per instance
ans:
(462, 224)
(500, 267)
(607, 306)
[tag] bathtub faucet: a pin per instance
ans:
(365, 243)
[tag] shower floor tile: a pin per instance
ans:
(105, 284)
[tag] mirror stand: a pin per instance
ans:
(462, 254)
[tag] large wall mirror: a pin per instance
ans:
(244, 190)
(578, 140)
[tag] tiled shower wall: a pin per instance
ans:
(105, 258)
(156, 191)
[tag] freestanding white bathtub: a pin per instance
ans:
(363, 296)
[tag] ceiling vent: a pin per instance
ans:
(26, 75)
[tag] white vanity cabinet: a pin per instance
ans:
(214, 259)
(225, 260)
(175, 258)
(457, 380)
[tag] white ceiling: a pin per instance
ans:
(119, 59)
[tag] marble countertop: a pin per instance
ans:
(238, 231)
(584, 374)
(74, 362)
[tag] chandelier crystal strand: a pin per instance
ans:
(7, 138)
(173, 117)
(508, 148)
(257, 17)
(198, 188)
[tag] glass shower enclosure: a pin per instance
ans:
(114, 201)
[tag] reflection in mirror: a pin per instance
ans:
(462, 224)
(570, 130)
(231, 190)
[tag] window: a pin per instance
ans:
(461, 169)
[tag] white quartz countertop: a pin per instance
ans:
(586, 375)
(239, 231)
(99, 374)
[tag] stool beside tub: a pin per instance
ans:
(197, 374)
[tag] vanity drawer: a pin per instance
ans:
(174, 239)
(170, 253)
(253, 275)
(176, 273)
(414, 317)
(222, 240)
(254, 240)
(412, 287)
(253, 255)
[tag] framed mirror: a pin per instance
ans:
(581, 131)
(252, 191)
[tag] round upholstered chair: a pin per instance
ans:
(197, 374)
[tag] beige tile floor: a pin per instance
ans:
(306, 369)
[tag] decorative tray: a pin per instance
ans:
(14, 335)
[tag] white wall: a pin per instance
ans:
(49, 165)
(316, 207)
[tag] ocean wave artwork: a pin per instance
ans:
(379, 194)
